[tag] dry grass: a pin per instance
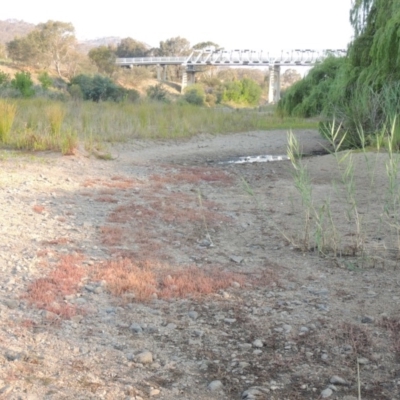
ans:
(57, 241)
(176, 208)
(48, 293)
(393, 326)
(193, 175)
(111, 235)
(107, 199)
(116, 182)
(147, 279)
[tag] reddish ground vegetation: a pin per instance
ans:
(146, 279)
(48, 293)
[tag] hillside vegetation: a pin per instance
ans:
(87, 70)
(362, 90)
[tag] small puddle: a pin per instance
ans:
(255, 159)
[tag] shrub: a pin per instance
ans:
(244, 91)
(195, 95)
(100, 88)
(45, 80)
(23, 83)
(4, 78)
(157, 92)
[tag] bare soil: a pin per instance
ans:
(165, 269)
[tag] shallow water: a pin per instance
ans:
(255, 159)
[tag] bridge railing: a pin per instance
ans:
(238, 57)
(151, 60)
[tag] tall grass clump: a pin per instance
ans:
(319, 219)
(40, 122)
(302, 182)
(8, 112)
(55, 114)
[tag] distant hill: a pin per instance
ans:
(86, 45)
(10, 28)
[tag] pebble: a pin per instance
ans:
(145, 357)
(255, 393)
(215, 385)
(193, 315)
(154, 392)
(258, 343)
(337, 380)
(136, 328)
(287, 328)
(11, 304)
(236, 259)
(326, 393)
(363, 361)
(367, 319)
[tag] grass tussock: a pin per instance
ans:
(8, 111)
(346, 232)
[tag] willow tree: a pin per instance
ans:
(375, 50)
(365, 90)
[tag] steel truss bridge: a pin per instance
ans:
(235, 58)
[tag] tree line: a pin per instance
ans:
(52, 46)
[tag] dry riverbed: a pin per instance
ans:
(168, 273)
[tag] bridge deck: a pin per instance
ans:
(237, 58)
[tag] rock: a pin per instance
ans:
(367, 319)
(136, 328)
(171, 326)
(337, 380)
(154, 392)
(255, 393)
(287, 328)
(235, 284)
(215, 385)
(198, 333)
(193, 315)
(236, 259)
(326, 393)
(145, 357)
(230, 321)
(12, 304)
(258, 343)
(363, 361)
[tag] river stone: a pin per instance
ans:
(215, 385)
(145, 357)
(337, 380)
(326, 393)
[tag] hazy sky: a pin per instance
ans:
(256, 24)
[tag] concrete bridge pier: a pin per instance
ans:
(274, 93)
(161, 73)
(188, 77)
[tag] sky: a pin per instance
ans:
(271, 25)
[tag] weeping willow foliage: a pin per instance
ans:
(365, 89)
